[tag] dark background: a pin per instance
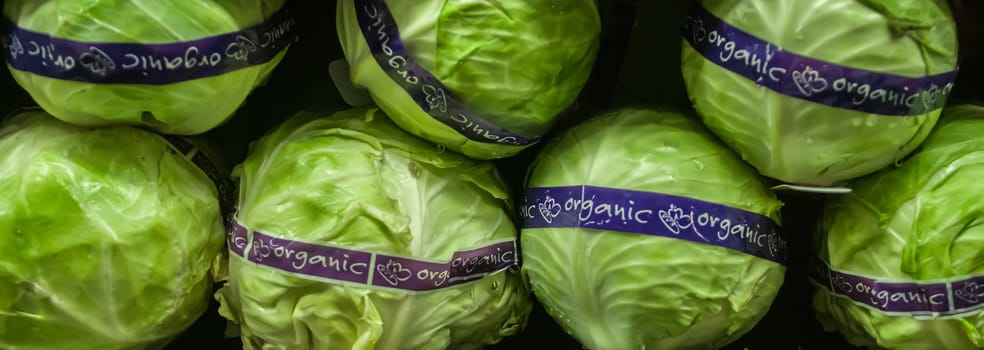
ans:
(638, 63)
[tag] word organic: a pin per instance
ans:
(653, 214)
(334, 264)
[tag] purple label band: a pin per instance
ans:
(810, 79)
(910, 298)
(383, 38)
(148, 64)
(654, 214)
(237, 237)
(335, 264)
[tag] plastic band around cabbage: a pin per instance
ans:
(147, 64)
(201, 160)
(917, 299)
(654, 214)
(383, 38)
(334, 264)
(811, 79)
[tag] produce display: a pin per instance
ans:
(506, 174)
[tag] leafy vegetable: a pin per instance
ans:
(920, 221)
(355, 181)
(618, 290)
(185, 107)
(515, 63)
(107, 237)
(794, 139)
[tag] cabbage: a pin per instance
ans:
(355, 183)
(917, 223)
(141, 89)
(108, 236)
(614, 288)
(514, 64)
(846, 69)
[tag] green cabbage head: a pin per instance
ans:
(515, 63)
(108, 236)
(803, 142)
(920, 221)
(354, 180)
(187, 107)
(617, 290)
